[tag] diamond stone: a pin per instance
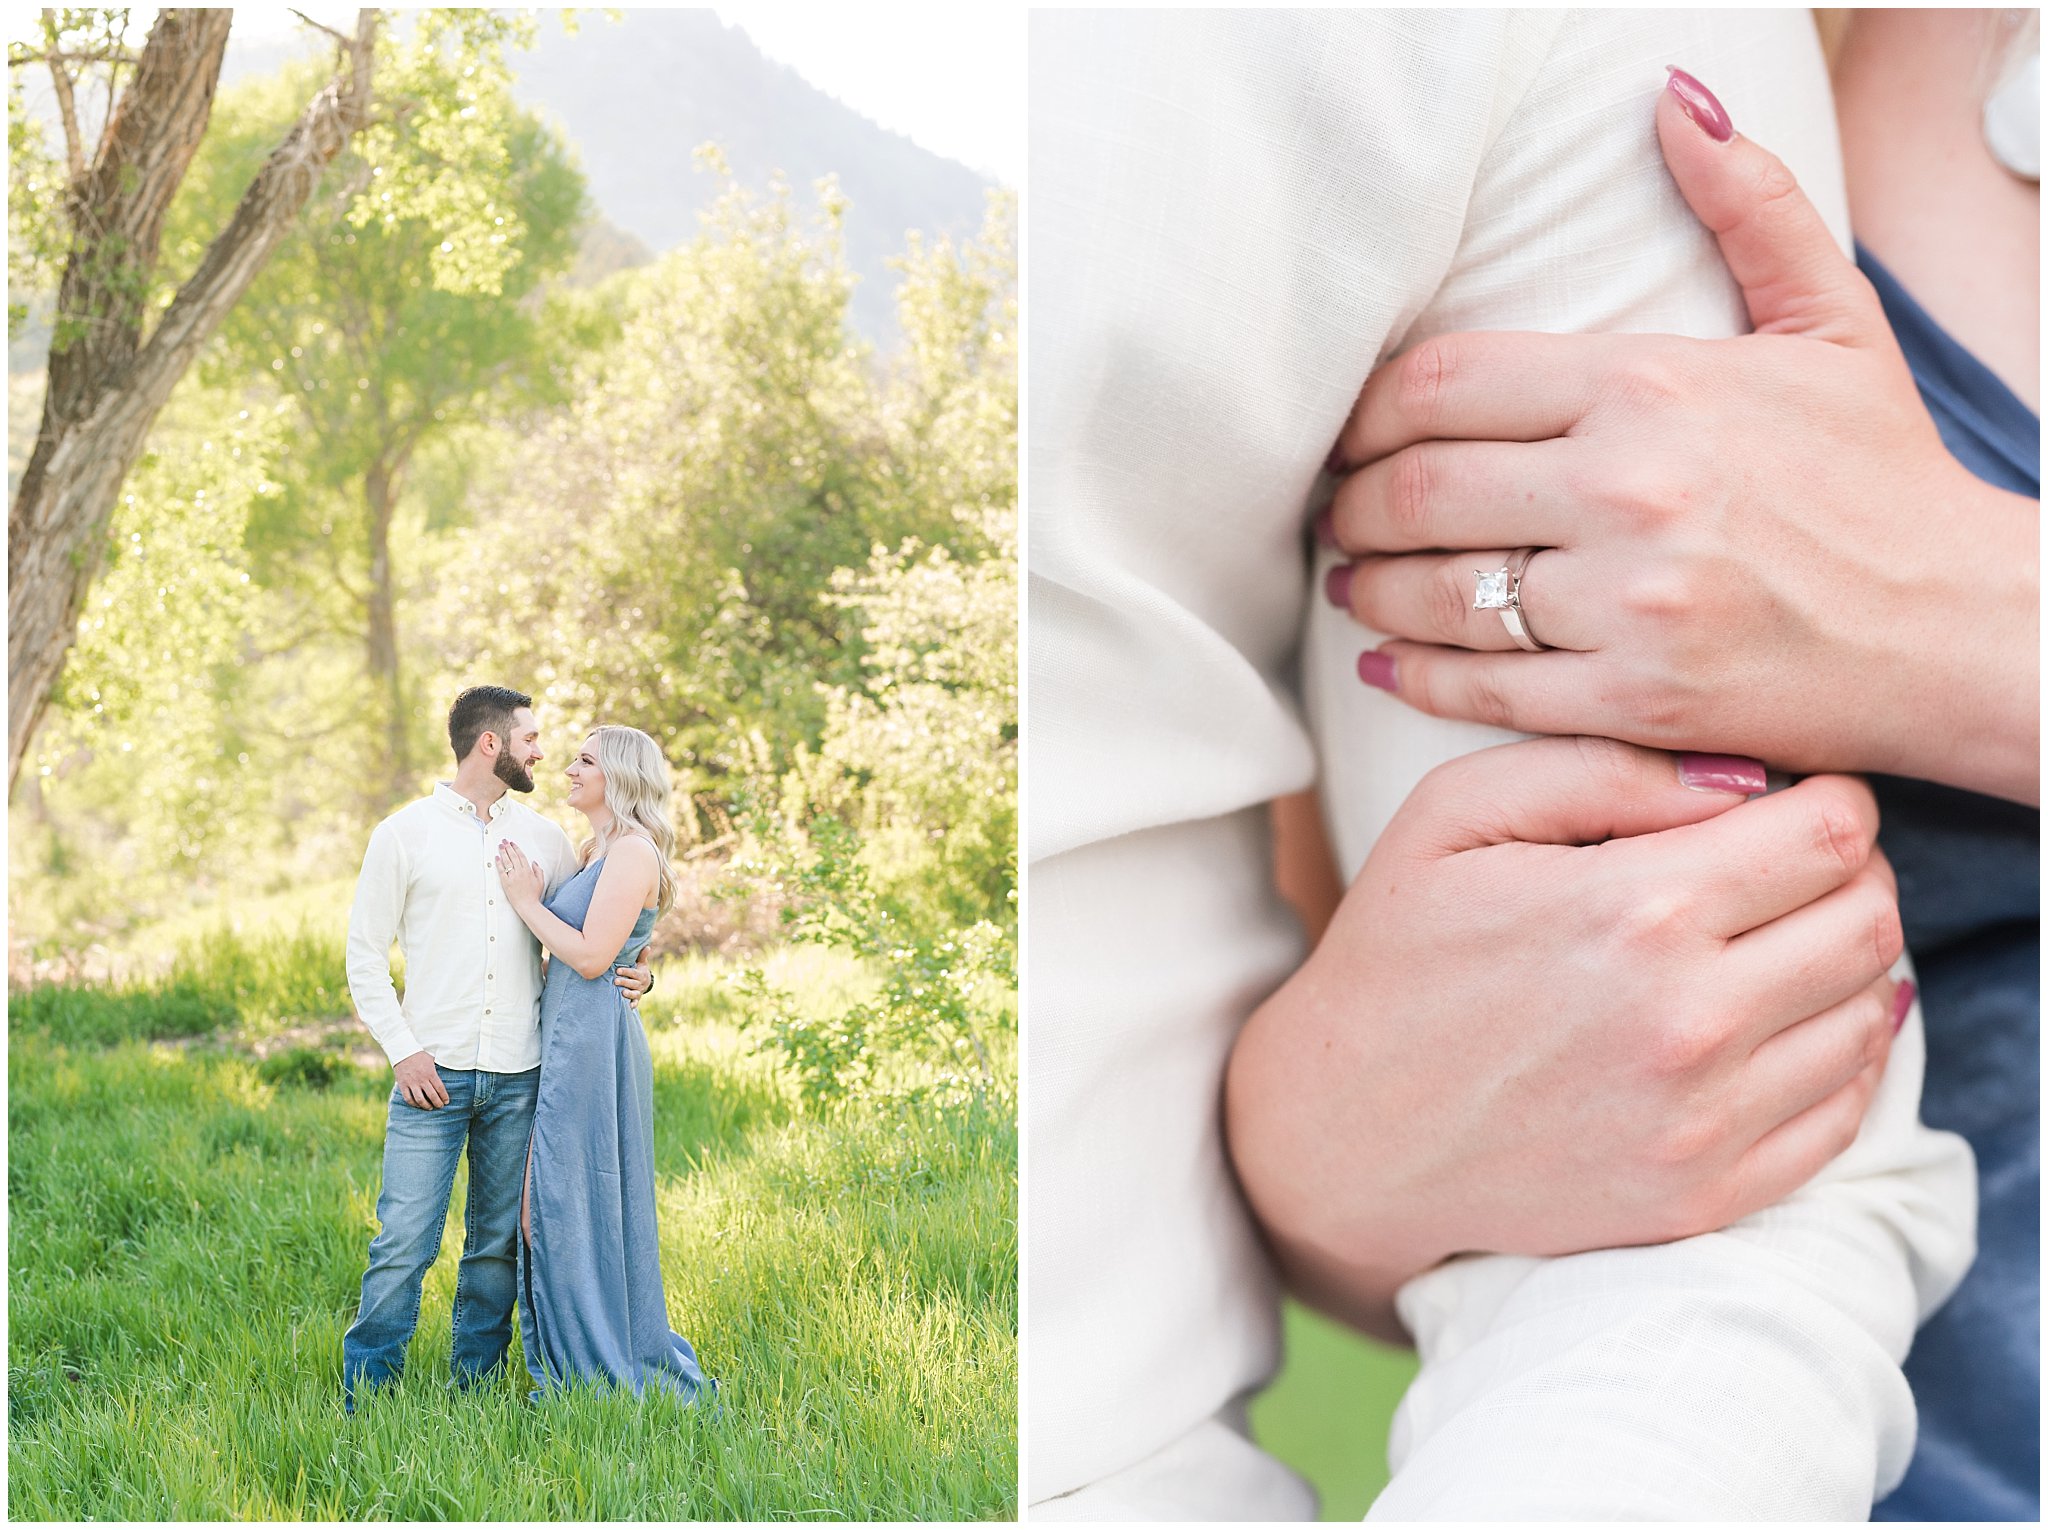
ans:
(1492, 594)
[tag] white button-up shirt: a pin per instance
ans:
(472, 968)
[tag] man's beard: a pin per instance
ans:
(513, 774)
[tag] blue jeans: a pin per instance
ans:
(493, 1114)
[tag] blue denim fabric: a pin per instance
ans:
(493, 1114)
(1969, 870)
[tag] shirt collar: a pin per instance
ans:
(452, 799)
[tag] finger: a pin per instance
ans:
(1475, 387)
(1807, 1063)
(1771, 860)
(437, 1091)
(1788, 1156)
(1817, 956)
(1795, 279)
(1565, 791)
(1557, 693)
(1459, 494)
(405, 1094)
(1429, 598)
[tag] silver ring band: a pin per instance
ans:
(1501, 590)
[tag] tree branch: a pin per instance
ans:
(267, 209)
(341, 37)
(67, 105)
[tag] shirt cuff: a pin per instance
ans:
(400, 1044)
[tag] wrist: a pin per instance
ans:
(1339, 1222)
(1972, 717)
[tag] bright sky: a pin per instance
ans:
(950, 78)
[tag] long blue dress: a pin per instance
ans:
(591, 1306)
(1969, 871)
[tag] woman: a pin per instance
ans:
(1810, 545)
(591, 1301)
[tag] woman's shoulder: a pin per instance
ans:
(634, 854)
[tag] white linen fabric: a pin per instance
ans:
(472, 968)
(1234, 216)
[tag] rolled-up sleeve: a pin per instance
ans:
(373, 923)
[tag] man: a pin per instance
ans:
(465, 1042)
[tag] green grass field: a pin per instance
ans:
(189, 1221)
(1328, 1412)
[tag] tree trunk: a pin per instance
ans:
(107, 385)
(380, 494)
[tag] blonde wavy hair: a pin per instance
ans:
(636, 789)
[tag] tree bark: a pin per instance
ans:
(106, 384)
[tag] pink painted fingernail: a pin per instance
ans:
(1377, 669)
(1700, 104)
(1326, 529)
(1721, 773)
(1902, 1003)
(1337, 586)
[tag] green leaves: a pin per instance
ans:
(444, 156)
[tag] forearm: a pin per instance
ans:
(1976, 722)
(563, 940)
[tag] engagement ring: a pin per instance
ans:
(1501, 590)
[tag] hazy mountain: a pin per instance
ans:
(636, 96)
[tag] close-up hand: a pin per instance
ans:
(1757, 544)
(634, 982)
(524, 882)
(1582, 995)
(419, 1081)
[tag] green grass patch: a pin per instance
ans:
(223, 981)
(1328, 1412)
(188, 1228)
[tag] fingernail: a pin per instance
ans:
(1902, 1003)
(1377, 669)
(1700, 104)
(1721, 773)
(1337, 585)
(1326, 529)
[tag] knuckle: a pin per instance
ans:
(1649, 378)
(1681, 1046)
(1844, 1124)
(1488, 701)
(1423, 380)
(1411, 490)
(1774, 186)
(1691, 1138)
(1887, 929)
(1655, 713)
(1659, 595)
(1875, 1013)
(1654, 921)
(1839, 837)
(1444, 602)
(1611, 764)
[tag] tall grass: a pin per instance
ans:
(188, 1229)
(223, 980)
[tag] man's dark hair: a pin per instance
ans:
(479, 710)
